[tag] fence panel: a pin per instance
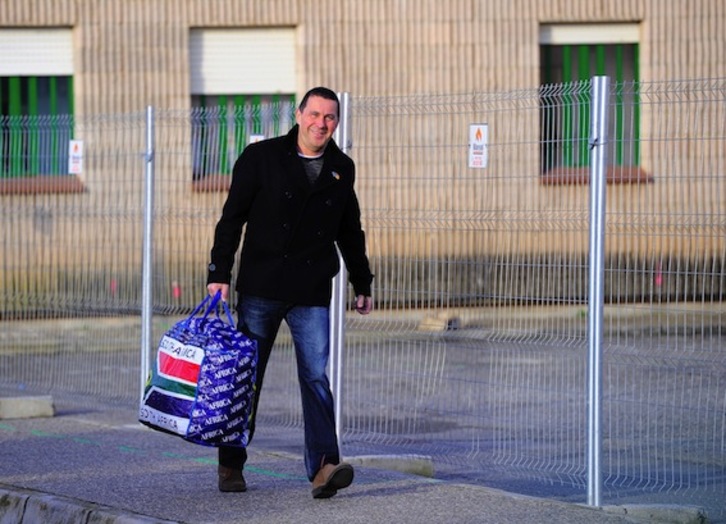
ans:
(71, 259)
(482, 288)
(476, 354)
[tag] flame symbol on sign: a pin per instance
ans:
(478, 134)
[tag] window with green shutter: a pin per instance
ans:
(36, 124)
(222, 125)
(566, 70)
(241, 80)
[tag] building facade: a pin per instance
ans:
(123, 56)
(74, 61)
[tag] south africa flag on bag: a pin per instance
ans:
(201, 386)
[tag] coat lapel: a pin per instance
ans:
(328, 176)
(295, 171)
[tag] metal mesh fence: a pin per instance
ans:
(476, 354)
(482, 286)
(71, 264)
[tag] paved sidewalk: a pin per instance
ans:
(104, 467)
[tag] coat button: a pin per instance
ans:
(286, 226)
(288, 195)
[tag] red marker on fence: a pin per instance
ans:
(175, 290)
(659, 274)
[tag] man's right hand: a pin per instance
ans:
(214, 287)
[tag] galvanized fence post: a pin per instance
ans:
(147, 262)
(598, 163)
(340, 283)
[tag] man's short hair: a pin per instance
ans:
(322, 92)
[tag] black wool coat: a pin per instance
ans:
(292, 226)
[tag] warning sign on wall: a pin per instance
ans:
(478, 145)
(75, 157)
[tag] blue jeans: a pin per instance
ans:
(260, 319)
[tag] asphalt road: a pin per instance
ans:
(102, 466)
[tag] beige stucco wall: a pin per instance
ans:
(133, 53)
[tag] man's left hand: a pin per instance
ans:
(363, 304)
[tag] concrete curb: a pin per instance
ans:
(661, 513)
(26, 506)
(413, 464)
(26, 407)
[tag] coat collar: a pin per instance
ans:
(329, 174)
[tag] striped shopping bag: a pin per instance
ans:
(202, 384)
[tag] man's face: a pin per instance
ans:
(317, 124)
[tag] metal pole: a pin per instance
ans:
(598, 163)
(340, 286)
(146, 275)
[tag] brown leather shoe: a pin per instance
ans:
(330, 479)
(231, 480)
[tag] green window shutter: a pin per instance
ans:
(222, 123)
(240, 132)
(53, 95)
(204, 136)
(222, 126)
(583, 53)
(276, 114)
(14, 96)
(33, 95)
(256, 114)
(566, 120)
(71, 101)
(547, 64)
(619, 113)
(33, 166)
(37, 124)
(600, 59)
(15, 145)
(54, 137)
(567, 135)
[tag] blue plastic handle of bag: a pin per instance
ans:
(226, 310)
(212, 307)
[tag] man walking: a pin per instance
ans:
(295, 195)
